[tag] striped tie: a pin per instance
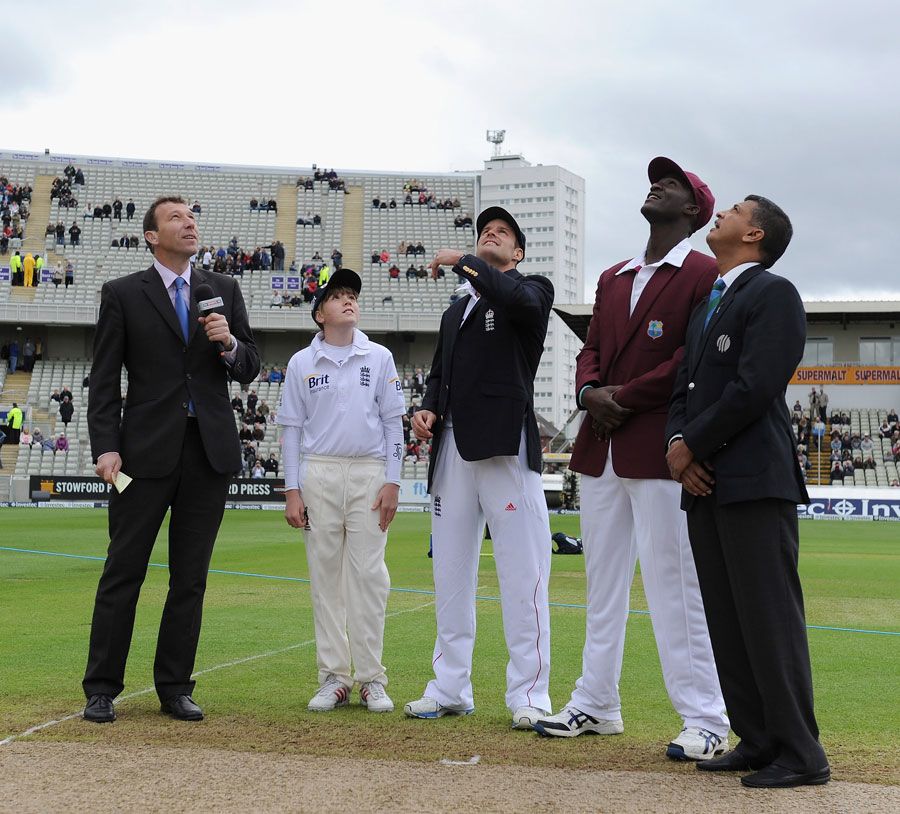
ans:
(715, 297)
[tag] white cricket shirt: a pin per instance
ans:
(341, 405)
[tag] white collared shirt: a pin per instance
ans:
(340, 405)
(468, 288)
(675, 258)
(729, 277)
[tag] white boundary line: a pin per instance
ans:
(47, 724)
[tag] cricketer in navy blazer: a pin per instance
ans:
(483, 369)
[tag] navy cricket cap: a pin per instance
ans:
(499, 213)
(342, 278)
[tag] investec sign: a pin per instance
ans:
(851, 509)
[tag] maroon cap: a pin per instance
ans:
(661, 167)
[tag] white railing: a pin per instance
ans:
(261, 319)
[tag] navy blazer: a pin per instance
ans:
(729, 397)
(483, 370)
(138, 328)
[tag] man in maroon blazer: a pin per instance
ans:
(629, 503)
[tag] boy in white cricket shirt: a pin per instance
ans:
(341, 411)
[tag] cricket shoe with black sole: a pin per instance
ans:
(571, 722)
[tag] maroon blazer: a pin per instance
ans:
(641, 353)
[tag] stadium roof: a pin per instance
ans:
(578, 316)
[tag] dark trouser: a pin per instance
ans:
(746, 557)
(196, 494)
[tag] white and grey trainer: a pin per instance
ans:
(527, 717)
(427, 707)
(333, 693)
(375, 698)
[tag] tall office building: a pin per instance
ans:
(548, 203)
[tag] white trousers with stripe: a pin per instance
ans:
(504, 492)
(349, 581)
(623, 519)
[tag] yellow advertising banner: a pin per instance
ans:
(850, 374)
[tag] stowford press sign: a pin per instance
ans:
(851, 374)
(256, 490)
(71, 488)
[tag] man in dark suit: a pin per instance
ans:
(629, 503)
(478, 409)
(175, 436)
(731, 447)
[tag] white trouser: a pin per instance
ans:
(623, 519)
(349, 581)
(506, 493)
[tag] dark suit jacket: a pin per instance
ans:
(138, 328)
(729, 399)
(483, 371)
(627, 351)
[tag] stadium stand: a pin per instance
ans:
(344, 220)
(882, 468)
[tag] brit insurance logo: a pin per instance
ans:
(316, 383)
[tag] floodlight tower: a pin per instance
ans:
(496, 137)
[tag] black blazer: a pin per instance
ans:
(483, 371)
(729, 397)
(138, 328)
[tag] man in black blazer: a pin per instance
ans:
(175, 436)
(478, 409)
(731, 447)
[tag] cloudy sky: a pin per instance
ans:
(795, 100)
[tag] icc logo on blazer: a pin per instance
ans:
(655, 329)
(723, 343)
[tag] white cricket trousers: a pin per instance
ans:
(623, 519)
(349, 581)
(509, 496)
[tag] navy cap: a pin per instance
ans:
(342, 278)
(499, 213)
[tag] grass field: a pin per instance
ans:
(851, 574)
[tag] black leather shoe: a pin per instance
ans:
(778, 777)
(732, 761)
(182, 707)
(99, 709)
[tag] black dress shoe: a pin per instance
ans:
(99, 709)
(779, 777)
(182, 707)
(732, 761)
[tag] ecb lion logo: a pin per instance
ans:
(655, 329)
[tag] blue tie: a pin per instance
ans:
(714, 297)
(181, 308)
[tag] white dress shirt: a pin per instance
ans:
(168, 277)
(675, 258)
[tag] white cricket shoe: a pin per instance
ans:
(571, 722)
(427, 707)
(695, 743)
(375, 698)
(527, 717)
(333, 693)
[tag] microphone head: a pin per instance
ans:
(207, 301)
